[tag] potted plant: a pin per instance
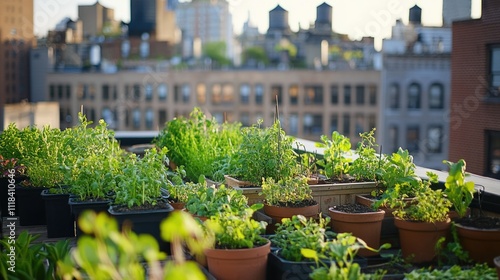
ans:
(478, 235)
(362, 221)
(207, 201)
(139, 198)
(425, 220)
(287, 197)
(337, 157)
(265, 152)
(239, 250)
(200, 144)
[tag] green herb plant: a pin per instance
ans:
(264, 153)
(287, 192)
(142, 179)
(236, 229)
(457, 189)
(209, 200)
(337, 156)
(367, 164)
(477, 271)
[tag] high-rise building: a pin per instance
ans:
(152, 17)
(97, 19)
(16, 39)
(456, 10)
(210, 21)
(475, 87)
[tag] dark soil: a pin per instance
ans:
(297, 204)
(480, 222)
(159, 205)
(354, 208)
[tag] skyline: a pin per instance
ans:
(375, 17)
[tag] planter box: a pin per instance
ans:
(60, 221)
(78, 207)
(326, 195)
(145, 221)
(279, 268)
(30, 206)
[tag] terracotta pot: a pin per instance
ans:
(241, 264)
(483, 245)
(277, 213)
(496, 261)
(366, 226)
(418, 239)
(178, 205)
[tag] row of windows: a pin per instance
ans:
(224, 94)
(431, 142)
(413, 95)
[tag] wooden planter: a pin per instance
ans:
(326, 195)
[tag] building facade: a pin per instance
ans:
(152, 17)
(311, 103)
(96, 18)
(16, 40)
(475, 87)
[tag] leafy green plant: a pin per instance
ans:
(340, 251)
(209, 200)
(451, 252)
(182, 192)
(367, 164)
(288, 191)
(199, 144)
(336, 159)
(458, 191)
(11, 143)
(33, 260)
(107, 253)
(264, 153)
(235, 229)
(6, 165)
(142, 179)
(294, 234)
(478, 271)
(428, 206)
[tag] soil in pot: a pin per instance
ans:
(480, 236)
(362, 221)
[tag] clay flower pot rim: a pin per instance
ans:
(478, 229)
(379, 211)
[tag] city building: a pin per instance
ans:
(456, 10)
(97, 20)
(16, 39)
(310, 102)
(205, 20)
(152, 17)
(475, 86)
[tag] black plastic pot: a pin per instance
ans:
(144, 221)
(60, 221)
(30, 206)
(78, 207)
(279, 268)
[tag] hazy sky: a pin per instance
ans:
(354, 17)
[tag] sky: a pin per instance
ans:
(357, 18)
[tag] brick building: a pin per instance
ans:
(475, 92)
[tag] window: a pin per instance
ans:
(149, 118)
(276, 94)
(393, 139)
(148, 92)
(346, 125)
(245, 119)
(91, 90)
(360, 95)
(372, 93)
(293, 93)
(495, 72)
(105, 92)
(216, 94)
(201, 93)
(347, 95)
(313, 95)
(60, 92)
(136, 118)
(393, 96)
(245, 94)
(493, 154)
(52, 92)
(434, 139)
(259, 94)
(412, 139)
(334, 123)
(177, 93)
(313, 124)
(186, 92)
(162, 91)
(108, 116)
(414, 93)
(372, 121)
(334, 94)
(162, 117)
(228, 94)
(436, 96)
(293, 125)
(360, 124)
(137, 92)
